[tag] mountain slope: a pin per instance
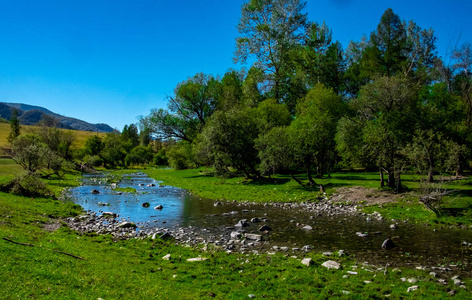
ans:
(31, 115)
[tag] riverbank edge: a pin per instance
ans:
(405, 207)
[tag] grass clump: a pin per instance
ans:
(126, 190)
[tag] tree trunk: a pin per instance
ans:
(382, 181)
(310, 178)
(391, 179)
(431, 175)
(296, 179)
(459, 170)
(398, 182)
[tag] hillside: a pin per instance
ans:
(31, 115)
(80, 136)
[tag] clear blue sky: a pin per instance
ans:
(111, 61)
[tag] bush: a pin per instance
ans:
(93, 160)
(160, 158)
(29, 185)
(180, 156)
(139, 155)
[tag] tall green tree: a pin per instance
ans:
(193, 102)
(228, 141)
(386, 117)
(14, 125)
(268, 30)
(314, 130)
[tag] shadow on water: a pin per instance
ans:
(415, 245)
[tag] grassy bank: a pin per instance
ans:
(456, 206)
(59, 264)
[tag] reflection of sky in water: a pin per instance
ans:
(329, 233)
(129, 205)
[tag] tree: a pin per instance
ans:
(15, 126)
(93, 145)
(271, 114)
(113, 153)
(59, 141)
(130, 137)
(314, 129)
(430, 151)
(251, 90)
(268, 29)
(29, 152)
(230, 90)
(389, 43)
(139, 155)
(387, 113)
(228, 141)
(194, 101)
(276, 152)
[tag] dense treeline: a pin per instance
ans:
(386, 102)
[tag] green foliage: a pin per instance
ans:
(130, 137)
(58, 141)
(29, 152)
(276, 150)
(93, 160)
(268, 30)
(193, 102)
(228, 140)
(180, 156)
(28, 185)
(314, 129)
(15, 126)
(387, 113)
(160, 158)
(271, 114)
(93, 145)
(113, 152)
(139, 155)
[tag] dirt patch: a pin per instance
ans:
(358, 194)
(52, 227)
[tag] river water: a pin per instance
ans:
(415, 245)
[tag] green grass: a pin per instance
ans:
(80, 136)
(126, 190)
(115, 269)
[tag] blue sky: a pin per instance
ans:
(111, 61)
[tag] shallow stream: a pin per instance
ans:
(414, 244)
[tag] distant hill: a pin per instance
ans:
(31, 115)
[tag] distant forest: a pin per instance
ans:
(307, 106)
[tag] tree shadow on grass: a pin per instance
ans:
(455, 211)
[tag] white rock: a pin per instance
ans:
(330, 264)
(307, 227)
(197, 259)
(412, 288)
(166, 257)
(351, 273)
(307, 261)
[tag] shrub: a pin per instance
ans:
(29, 185)
(160, 158)
(93, 160)
(180, 156)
